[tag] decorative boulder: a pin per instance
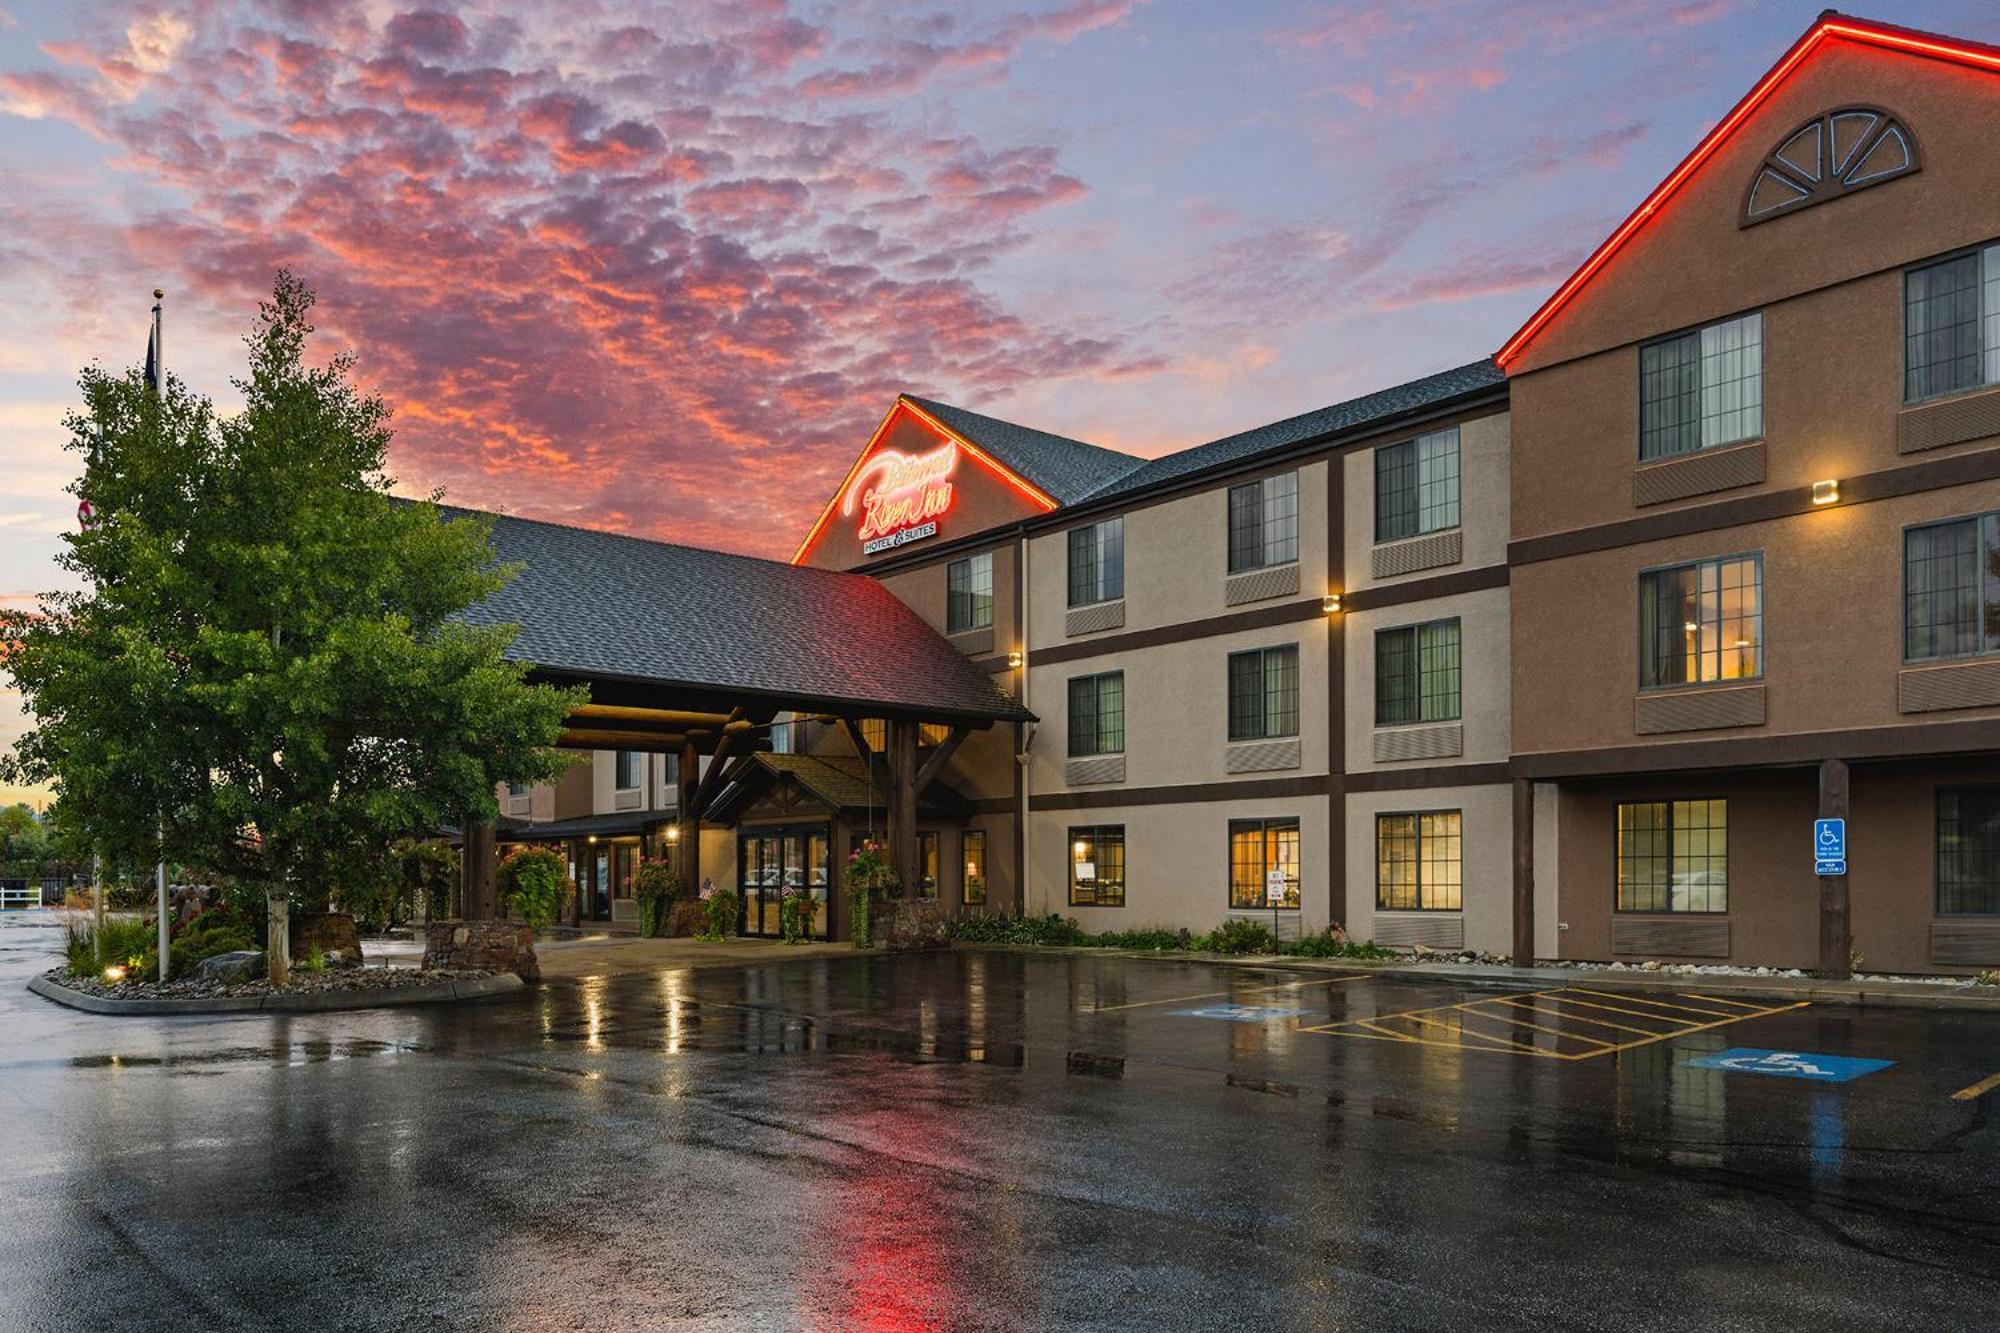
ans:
(232, 968)
(688, 916)
(330, 932)
(906, 925)
(484, 946)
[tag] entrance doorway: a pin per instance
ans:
(775, 861)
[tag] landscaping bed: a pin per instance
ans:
(345, 988)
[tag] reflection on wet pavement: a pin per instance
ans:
(990, 1141)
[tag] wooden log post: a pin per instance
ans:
(1836, 939)
(903, 804)
(482, 900)
(1524, 872)
(687, 855)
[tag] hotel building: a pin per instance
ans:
(1558, 654)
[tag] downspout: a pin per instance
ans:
(1022, 738)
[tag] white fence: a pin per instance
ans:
(15, 895)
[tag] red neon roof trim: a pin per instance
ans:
(902, 404)
(1829, 25)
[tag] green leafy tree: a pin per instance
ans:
(263, 675)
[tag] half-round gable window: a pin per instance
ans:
(1828, 156)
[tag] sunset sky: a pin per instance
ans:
(661, 267)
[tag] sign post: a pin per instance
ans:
(1836, 939)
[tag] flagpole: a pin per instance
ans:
(156, 363)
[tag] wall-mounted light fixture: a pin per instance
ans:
(673, 833)
(1016, 659)
(1826, 492)
(1330, 603)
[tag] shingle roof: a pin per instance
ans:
(606, 605)
(1067, 469)
(1350, 415)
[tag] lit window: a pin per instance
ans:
(1264, 863)
(933, 733)
(1416, 486)
(1264, 523)
(969, 593)
(927, 865)
(875, 734)
(975, 867)
(1702, 622)
(1951, 325)
(1097, 866)
(1264, 693)
(1702, 389)
(1418, 861)
(1673, 856)
(1097, 562)
(1097, 714)
(1417, 673)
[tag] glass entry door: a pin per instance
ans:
(776, 861)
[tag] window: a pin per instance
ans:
(1263, 857)
(1097, 866)
(927, 865)
(1417, 673)
(1702, 622)
(1673, 856)
(518, 790)
(933, 733)
(875, 733)
(1418, 865)
(974, 884)
(626, 776)
(1416, 486)
(1264, 523)
(1264, 693)
(968, 595)
(1097, 562)
(1702, 389)
(1968, 851)
(783, 738)
(1951, 589)
(1097, 714)
(1951, 325)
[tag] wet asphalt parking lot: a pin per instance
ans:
(994, 1140)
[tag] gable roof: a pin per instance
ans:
(1354, 413)
(600, 605)
(1829, 27)
(1066, 469)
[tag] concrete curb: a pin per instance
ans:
(438, 992)
(1859, 994)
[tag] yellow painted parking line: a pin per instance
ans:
(1218, 994)
(1647, 999)
(1723, 999)
(1979, 1089)
(1556, 1010)
(1577, 1018)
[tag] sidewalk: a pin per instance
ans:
(1873, 993)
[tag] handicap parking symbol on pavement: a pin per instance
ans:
(1790, 1064)
(1239, 1013)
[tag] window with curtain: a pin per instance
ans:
(1416, 486)
(968, 595)
(1417, 673)
(1673, 856)
(1097, 714)
(1418, 861)
(1951, 325)
(1097, 866)
(1097, 562)
(1264, 523)
(1702, 389)
(626, 770)
(1264, 693)
(1968, 851)
(973, 885)
(1951, 589)
(1702, 622)
(1258, 850)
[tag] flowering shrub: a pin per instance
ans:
(656, 886)
(868, 876)
(795, 916)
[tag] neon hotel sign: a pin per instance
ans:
(902, 496)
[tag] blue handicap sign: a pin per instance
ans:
(1829, 847)
(1789, 1064)
(1239, 1013)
